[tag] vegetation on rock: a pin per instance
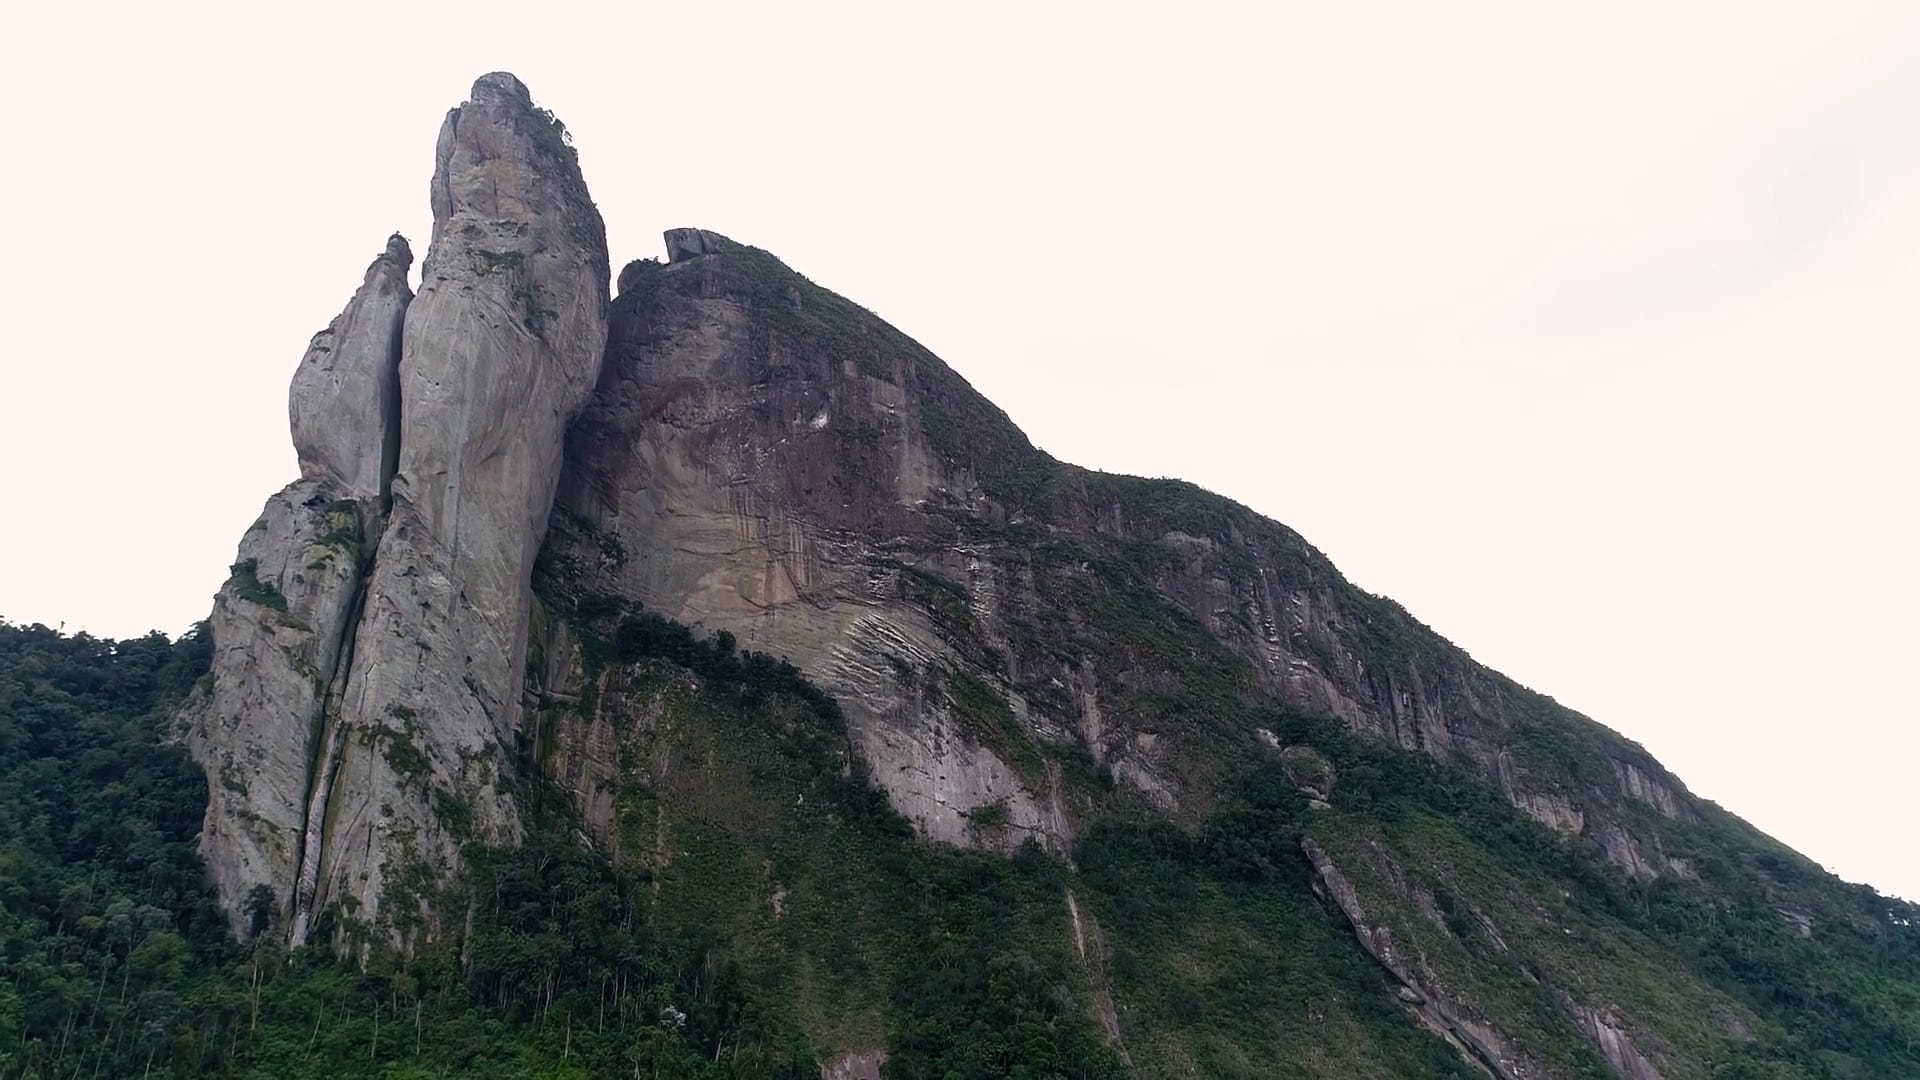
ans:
(680, 962)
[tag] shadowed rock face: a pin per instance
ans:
(436, 422)
(779, 486)
(779, 463)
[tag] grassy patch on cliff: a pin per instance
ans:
(246, 584)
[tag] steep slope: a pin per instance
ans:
(372, 638)
(830, 721)
(764, 914)
(284, 620)
(785, 466)
(1026, 650)
(499, 351)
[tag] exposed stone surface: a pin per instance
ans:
(689, 244)
(759, 456)
(1614, 1043)
(344, 404)
(599, 749)
(1471, 1034)
(282, 625)
(1624, 851)
(391, 686)
(722, 483)
(499, 352)
(1638, 784)
(1801, 922)
(858, 1065)
(1449, 1010)
(783, 465)
(279, 626)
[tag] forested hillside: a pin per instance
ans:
(774, 908)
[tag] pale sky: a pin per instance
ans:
(1589, 335)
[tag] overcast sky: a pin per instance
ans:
(1589, 336)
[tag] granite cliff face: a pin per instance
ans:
(763, 458)
(283, 623)
(517, 497)
(344, 405)
(778, 463)
(499, 351)
(371, 678)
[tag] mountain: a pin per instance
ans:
(706, 680)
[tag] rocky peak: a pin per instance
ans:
(1016, 649)
(683, 244)
(501, 161)
(510, 324)
(371, 643)
(784, 465)
(344, 404)
(497, 88)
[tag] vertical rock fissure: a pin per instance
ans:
(384, 691)
(328, 742)
(330, 734)
(427, 716)
(390, 443)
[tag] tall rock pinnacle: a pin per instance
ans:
(500, 350)
(356, 698)
(344, 405)
(282, 622)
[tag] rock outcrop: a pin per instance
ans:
(369, 714)
(787, 494)
(283, 622)
(506, 478)
(279, 627)
(1396, 918)
(1469, 1033)
(499, 352)
(781, 464)
(344, 405)
(685, 244)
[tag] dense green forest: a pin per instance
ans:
(115, 962)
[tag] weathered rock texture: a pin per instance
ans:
(372, 737)
(1469, 1032)
(499, 352)
(1019, 647)
(279, 626)
(283, 623)
(763, 485)
(344, 405)
(1449, 957)
(781, 464)
(764, 458)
